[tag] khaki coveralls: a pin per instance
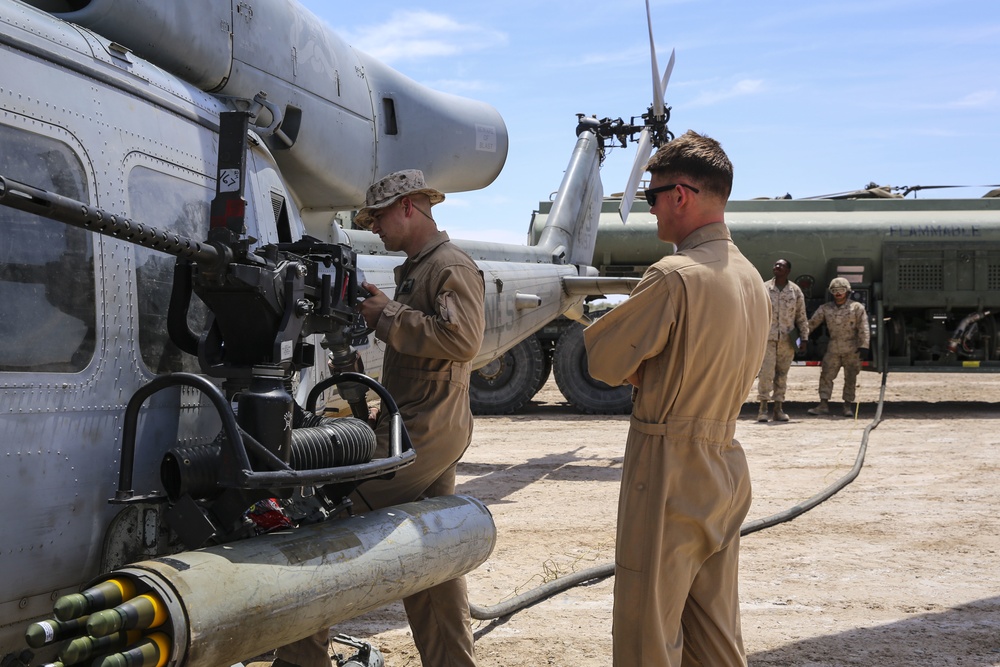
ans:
(432, 328)
(696, 323)
(788, 311)
(848, 327)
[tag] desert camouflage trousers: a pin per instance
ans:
(832, 363)
(773, 374)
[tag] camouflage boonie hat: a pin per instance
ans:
(840, 282)
(386, 191)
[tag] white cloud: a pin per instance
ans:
(739, 89)
(452, 201)
(423, 34)
(976, 100)
(980, 99)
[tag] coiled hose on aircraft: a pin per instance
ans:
(561, 584)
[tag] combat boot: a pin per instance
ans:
(822, 409)
(779, 414)
(762, 412)
(848, 410)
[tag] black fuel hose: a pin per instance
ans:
(598, 572)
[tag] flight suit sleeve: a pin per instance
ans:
(635, 330)
(454, 331)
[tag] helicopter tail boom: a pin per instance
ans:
(328, 104)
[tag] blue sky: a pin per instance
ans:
(807, 98)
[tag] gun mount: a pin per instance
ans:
(94, 324)
(262, 304)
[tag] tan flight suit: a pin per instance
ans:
(788, 311)
(696, 324)
(432, 329)
(848, 328)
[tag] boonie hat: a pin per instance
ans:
(385, 192)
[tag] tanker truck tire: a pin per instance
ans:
(584, 393)
(506, 384)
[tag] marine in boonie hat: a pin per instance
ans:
(389, 189)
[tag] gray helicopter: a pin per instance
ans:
(174, 288)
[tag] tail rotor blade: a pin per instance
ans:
(657, 87)
(642, 153)
(645, 143)
(666, 78)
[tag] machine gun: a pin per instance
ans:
(263, 304)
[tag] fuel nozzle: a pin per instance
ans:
(963, 335)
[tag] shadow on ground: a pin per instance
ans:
(964, 636)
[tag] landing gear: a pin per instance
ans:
(586, 394)
(506, 384)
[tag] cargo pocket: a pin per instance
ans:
(632, 543)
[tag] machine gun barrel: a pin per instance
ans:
(26, 198)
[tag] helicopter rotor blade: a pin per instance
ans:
(642, 153)
(658, 88)
(666, 78)
(645, 142)
(907, 189)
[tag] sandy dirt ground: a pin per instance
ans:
(900, 568)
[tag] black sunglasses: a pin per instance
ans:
(652, 192)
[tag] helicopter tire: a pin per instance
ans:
(506, 384)
(543, 377)
(586, 394)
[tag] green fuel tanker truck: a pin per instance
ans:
(927, 271)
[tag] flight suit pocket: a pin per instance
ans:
(446, 306)
(632, 544)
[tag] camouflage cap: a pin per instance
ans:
(840, 282)
(389, 189)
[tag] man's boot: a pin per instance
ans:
(822, 409)
(762, 412)
(779, 414)
(848, 410)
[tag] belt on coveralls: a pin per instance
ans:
(691, 430)
(457, 373)
(646, 427)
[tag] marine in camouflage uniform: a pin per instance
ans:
(788, 312)
(847, 323)
(433, 328)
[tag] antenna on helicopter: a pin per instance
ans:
(650, 135)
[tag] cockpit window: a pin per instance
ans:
(47, 303)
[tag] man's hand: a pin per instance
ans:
(372, 307)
